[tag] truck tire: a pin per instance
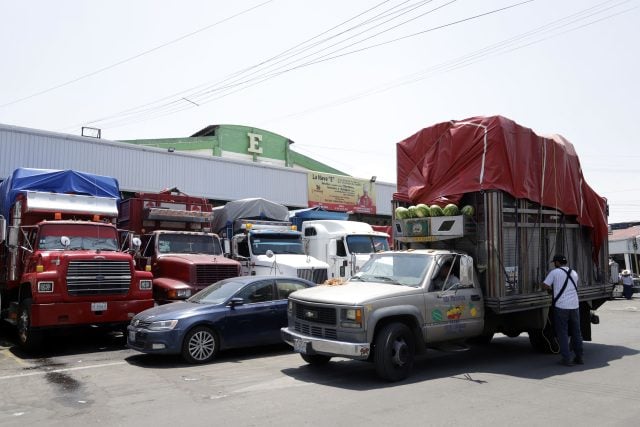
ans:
(28, 339)
(394, 352)
(316, 359)
(200, 345)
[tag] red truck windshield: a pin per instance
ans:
(81, 237)
(188, 244)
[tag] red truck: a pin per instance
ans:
(177, 243)
(60, 264)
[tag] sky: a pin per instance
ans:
(344, 80)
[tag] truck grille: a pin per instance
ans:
(315, 275)
(315, 314)
(98, 277)
(316, 331)
(207, 274)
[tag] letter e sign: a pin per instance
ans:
(254, 143)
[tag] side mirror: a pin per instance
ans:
(235, 301)
(12, 241)
(136, 243)
(332, 248)
(3, 229)
(65, 241)
(269, 253)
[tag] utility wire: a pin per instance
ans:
(253, 82)
(131, 58)
(172, 103)
(471, 58)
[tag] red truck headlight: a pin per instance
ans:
(45, 287)
(145, 285)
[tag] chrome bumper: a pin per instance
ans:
(310, 345)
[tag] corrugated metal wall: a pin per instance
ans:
(151, 169)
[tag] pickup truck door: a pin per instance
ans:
(453, 314)
(457, 310)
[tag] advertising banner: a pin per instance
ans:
(341, 193)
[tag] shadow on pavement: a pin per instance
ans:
(504, 356)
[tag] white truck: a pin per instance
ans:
(344, 245)
(257, 233)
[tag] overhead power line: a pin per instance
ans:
(131, 58)
(172, 103)
(174, 107)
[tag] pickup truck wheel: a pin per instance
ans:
(200, 345)
(316, 359)
(394, 352)
(27, 337)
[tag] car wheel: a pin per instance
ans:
(394, 352)
(316, 359)
(27, 337)
(200, 345)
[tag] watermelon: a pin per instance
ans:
(413, 212)
(402, 213)
(451, 210)
(436, 210)
(423, 210)
(467, 210)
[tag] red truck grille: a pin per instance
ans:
(207, 274)
(98, 277)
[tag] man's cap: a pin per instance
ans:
(626, 273)
(559, 258)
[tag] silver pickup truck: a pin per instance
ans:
(397, 305)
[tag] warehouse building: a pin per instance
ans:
(220, 163)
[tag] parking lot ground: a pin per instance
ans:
(93, 379)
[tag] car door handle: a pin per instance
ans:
(475, 297)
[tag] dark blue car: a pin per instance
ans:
(238, 312)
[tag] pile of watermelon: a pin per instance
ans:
(423, 211)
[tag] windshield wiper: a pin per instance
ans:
(387, 279)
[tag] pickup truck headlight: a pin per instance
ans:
(162, 325)
(290, 307)
(351, 318)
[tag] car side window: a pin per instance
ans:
(286, 287)
(257, 292)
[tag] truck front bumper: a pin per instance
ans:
(305, 344)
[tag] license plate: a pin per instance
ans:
(132, 336)
(98, 306)
(300, 346)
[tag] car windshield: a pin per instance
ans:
(403, 268)
(217, 293)
(279, 243)
(81, 237)
(189, 244)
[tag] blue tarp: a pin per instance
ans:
(55, 181)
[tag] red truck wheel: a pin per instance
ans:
(27, 337)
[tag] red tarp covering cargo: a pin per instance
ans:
(442, 162)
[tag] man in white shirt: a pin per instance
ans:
(564, 283)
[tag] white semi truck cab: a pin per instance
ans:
(344, 245)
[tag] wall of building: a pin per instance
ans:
(145, 168)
